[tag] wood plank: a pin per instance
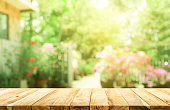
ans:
(99, 100)
(1, 89)
(134, 101)
(27, 102)
(64, 99)
(163, 96)
(8, 95)
(17, 96)
(46, 102)
(116, 101)
(81, 100)
(85, 99)
(153, 101)
(6, 91)
(165, 90)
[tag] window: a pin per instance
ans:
(3, 26)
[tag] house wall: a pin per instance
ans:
(13, 20)
(9, 48)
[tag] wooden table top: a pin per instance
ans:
(85, 99)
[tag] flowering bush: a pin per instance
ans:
(34, 60)
(28, 60)
(80, 66)
(45, 62)
(128, 69)
(155, 76)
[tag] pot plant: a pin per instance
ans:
(27, 62)
(156, 77)
(43, 64)
(41, 79)
(122, 68)
(43, 71)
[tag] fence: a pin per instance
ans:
(62, 70)
(161, 63)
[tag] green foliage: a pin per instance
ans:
(78, 22)
(85, 68)
(9, 75)
(141, 25)
(153, 29)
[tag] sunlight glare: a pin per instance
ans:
(99, 4)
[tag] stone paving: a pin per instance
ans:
(91, 81)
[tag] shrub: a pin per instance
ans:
(128, 69)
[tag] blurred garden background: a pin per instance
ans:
(89, 43)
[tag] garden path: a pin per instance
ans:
(91, 81)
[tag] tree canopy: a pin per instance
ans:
(93, 24)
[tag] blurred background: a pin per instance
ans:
(84, 43)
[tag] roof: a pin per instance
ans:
(22, 5)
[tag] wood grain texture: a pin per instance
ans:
(81, 100)
(165, 90)
(6, 91)
(11, 95)
(116, 101)
(27, 102)
(64, 99)
(9, 102)
(1, 89)
(46, 102)
(163, 96)
(99, 100)
(85, 99)
(153, 101)
(134, 101)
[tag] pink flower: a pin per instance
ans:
(144, 60)
(149, 68)
(148, 73)
(150, 85)
(74, 45)
(124, 69)
(95, 69)
(115, 66)
(118, 61)
(47, 47)
(36, 48)
(110, 58)
(142, 79)
(110, 74)
(168, 77)
(160, 72)
(146, 79)
(107, 69)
